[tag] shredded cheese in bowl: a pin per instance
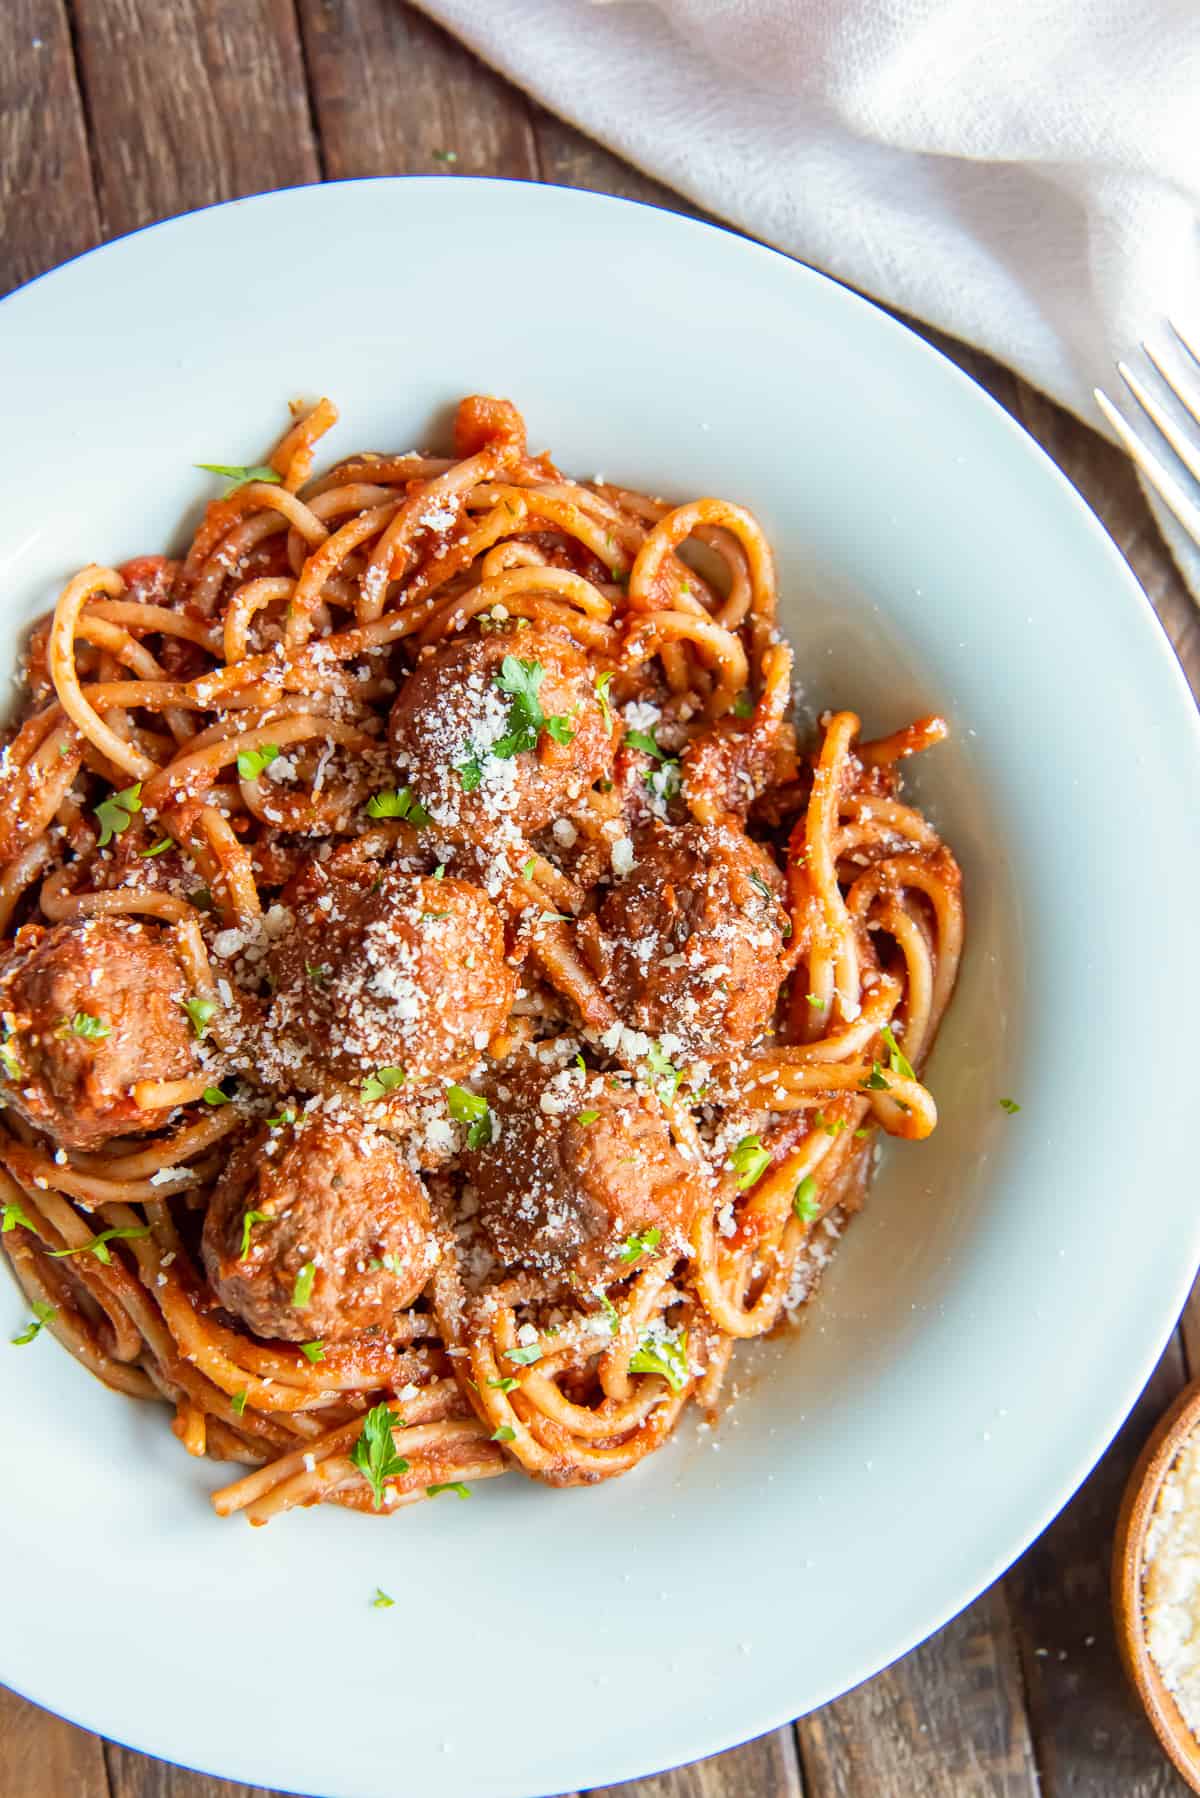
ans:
(1171, 1582)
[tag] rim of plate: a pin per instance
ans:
(766, 1706)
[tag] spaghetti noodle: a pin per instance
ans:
(444, 1008)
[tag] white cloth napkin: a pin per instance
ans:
(1024, 174)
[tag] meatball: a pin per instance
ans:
(334, 1197)
(90, 1009)
(478, 727)
(408, 972)
(578, 1168)
(694, 938)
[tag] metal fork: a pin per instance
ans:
(1160, 477)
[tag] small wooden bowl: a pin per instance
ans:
(1129, 1548)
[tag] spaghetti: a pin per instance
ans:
(444, 1008)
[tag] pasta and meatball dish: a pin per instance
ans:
(444, 1002)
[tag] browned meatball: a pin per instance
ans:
(694, 938)
(408, 972)
(89, 1009)
(339, 1199)
(472, 749)
(576, 1171)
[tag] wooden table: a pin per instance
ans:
(114, 113)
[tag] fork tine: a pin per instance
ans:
(1163, 482)
(1188, 454)
(1188, 343)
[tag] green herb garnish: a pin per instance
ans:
(115, 812)
(749, 1161)
(381, 1601)
(14, 1215)
(1009, 1105)
(374, 1453)
(42, 1313)
(382, 1082)
(84, 1024)
(249, 1219)
(158, 848)
(302, 1289)
(456, 1486)
(237, 475)
(587, 1117)
(504, 1385)
(876, 1081)
(470, 773)
(667, 1076)
(504, 1434)
(645, 741)
(804, 1200)
(663, 1355)
(636, 1245)
(897, 1060)
(525, 1357)
(201, 1012)
(603, 683)
(469, 1108)
(398, 802)
(314, 1350)
(98, 1245)
(212, 1095)
(743, 706)
(238, 1401)
(526, 719)
(251, 762)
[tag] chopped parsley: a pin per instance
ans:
(470, 773)
(374, 1454)
(42, 1313)
(285, 1116)
(816, 1001)
(398, 802)
(756, 880)
(9, 1062)
(201, 1012)
(665, 781)
(249, 1219)
(456, 1486)
(528, 868)
(663, 1355)
(317, 972)
(314, 1350)
(749, 1161)
(504, 1434)
(804, 1200)
(12, 1216)
(610, 1312)
(526, 719)
(115, 812)
(469, 1108)
(897, 1060)
(439, 873)
(158, 848)
(98, 1245)
(382, 1082)
(743, 706)
(587, 1117)
(237, 475)
(202, 899)
(251, 762)
(302, 1289)
(525, 1357)
(635, 1246)
(876, 1081)
(212, 1095)
(645, 741)
(381, 1601)
(603, 683)
(666, 1075)
(447, 156)
(84, 1024)
(1009, 1105)
(238, 1401)
(504, 1385)
(435, 915)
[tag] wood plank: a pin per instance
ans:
(139, 1776)
(766, 1768)
(569, 159)
(1092, 1739)
(40, 1754)
(948, 1721)
(394, 94)
(190, 103)
(46, 196)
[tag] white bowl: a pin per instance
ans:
(991, 1317)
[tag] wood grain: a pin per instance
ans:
(946, 1722)
(46, 198)
(1091, 1736)
(393, 94)
(138, 1776)
(766, 1768)
(191, 101)
(41, 1755)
